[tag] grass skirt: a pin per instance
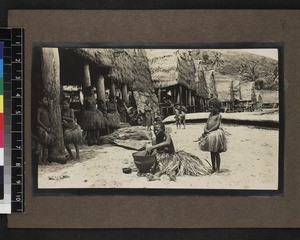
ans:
(113, 120)
(45, 139)
(182, 163)
(215, 141)
(92, 120)
(73, 135)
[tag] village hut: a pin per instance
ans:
(173, 74)
(267, 99)
(248, 96)
(201, 89)
(228, 91)
(211, 84)
(131, 73)
(54, 68)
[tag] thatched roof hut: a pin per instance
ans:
(211, 83)
(131, 67)
(72, 61)
(142, 86)
(170, 67)
(228, 88)
(201, 85)
(101, 57)
(248, 91)
(268, 96)
(123, 69)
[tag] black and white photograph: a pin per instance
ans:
(156, 118)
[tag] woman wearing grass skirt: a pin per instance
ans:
(72, 131)
(169, 162)
(91, 119)
(113, 117)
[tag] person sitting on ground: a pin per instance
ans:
(44, 129)
(169, 162)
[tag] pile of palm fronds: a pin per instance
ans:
(184, 163)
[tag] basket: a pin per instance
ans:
(143, 162)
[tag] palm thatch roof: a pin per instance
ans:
(142, 85)
(123, 69)
(247, 91)
(97, 56)
(170, 67)
(211, 83)
(268, 96)
(201, 86)
(131, 66)
(228, 88)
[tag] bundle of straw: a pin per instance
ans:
(184, 163)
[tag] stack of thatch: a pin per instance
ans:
(170, 67)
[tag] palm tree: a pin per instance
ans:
(217, 60)
(249, 73)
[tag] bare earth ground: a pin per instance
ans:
(251, 162)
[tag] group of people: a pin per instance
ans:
(104, 118)
(172, 163)
(94, 120)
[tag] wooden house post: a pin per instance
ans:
(159, 95)
(112, 88)
(180, 97)
(51, 80)
(190, 98)
(100, 88)
(125, 93)
(179, 94)
(87, 76)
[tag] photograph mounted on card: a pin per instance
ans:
(204, 119)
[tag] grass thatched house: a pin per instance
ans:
(173, 73)
(131, 74)
(267, 99)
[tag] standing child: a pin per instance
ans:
(213, 138)
(45, 135)
(182, 115)
(72, 131)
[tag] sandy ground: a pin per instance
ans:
(251, 162)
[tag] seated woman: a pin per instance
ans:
(170, 162)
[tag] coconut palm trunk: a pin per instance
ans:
(51, 82)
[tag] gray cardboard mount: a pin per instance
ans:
(167, 26)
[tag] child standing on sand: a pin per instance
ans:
(72, 131)
(213, 138)
(45, 134)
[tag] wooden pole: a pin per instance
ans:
(179, 94)
(51, 80)
(87, 76)
(159, 95)
(125, 93)
(180, 97)
(100, 88)
(112, 89)
(190, 98)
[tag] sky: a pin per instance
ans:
(267, 52)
